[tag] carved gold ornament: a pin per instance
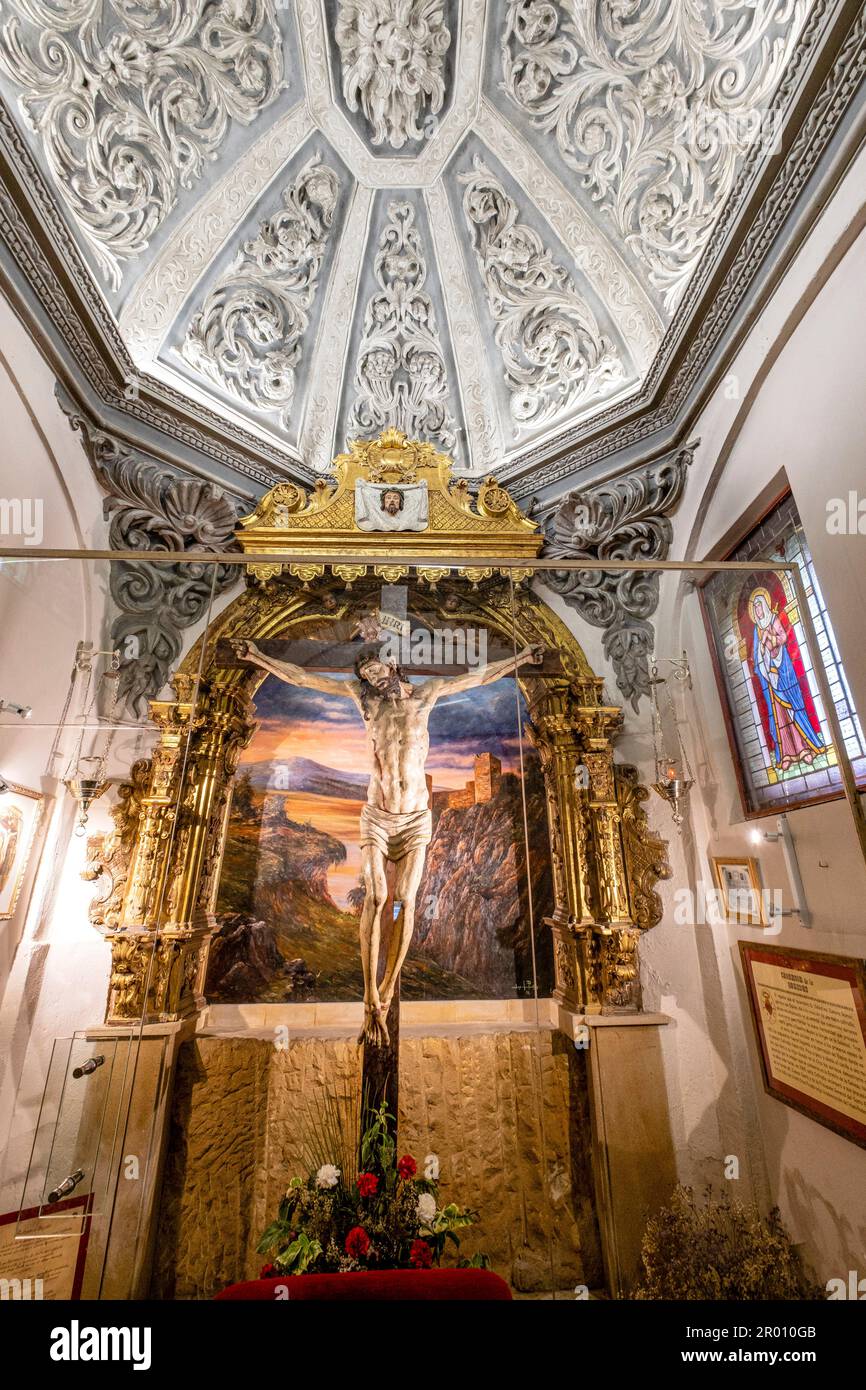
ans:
(290, 522)
(605, 859)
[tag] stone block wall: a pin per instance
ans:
(507, 1113)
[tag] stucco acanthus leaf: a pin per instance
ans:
(654, 106)
(552, 348)
(401, 378)
(248, 335)
(150, 508)
(624, 519)
(392, 54)
(130, 100)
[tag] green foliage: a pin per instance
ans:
(299, 1255)
(721, 1249)
(378, 1151)
(317, 1214)
(444, 1227)
(479, 1261)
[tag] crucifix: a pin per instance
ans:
(396, 820)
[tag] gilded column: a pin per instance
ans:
(159, 955)
(600, 723)
(140, 960)
(224, 726)
(556, 734)
(145, 884)
(614, 970)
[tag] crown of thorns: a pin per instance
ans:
(369, 652)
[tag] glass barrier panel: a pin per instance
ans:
(80, 745)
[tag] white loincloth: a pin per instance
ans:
(395, 833)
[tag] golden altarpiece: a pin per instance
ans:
(311, 573)
(310, 566)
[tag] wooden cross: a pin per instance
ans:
(380, 1071)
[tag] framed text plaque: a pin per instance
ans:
(43, 1258)
(809, 1012)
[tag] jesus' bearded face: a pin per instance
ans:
(392, 502)
(381, 675)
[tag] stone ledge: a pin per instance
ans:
(418, 1018)
(240, 1020)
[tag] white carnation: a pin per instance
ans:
(431, 1167)
(426, 1207)
(327, 1176)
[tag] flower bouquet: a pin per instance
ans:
(385, 1216)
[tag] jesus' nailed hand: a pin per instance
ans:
(396, 822)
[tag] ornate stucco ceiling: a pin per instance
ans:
(475, 219)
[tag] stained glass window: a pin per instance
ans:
(780, 737)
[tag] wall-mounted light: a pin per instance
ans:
(23, 711)
(789, 850)
(674, 778)
(86, 787)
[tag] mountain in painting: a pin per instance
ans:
(306, 775)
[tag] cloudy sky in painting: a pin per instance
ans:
(296, 723)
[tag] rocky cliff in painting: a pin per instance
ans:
(281, 937)
(245, 960)
(474, 900)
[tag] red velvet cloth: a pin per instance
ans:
(377, 1285)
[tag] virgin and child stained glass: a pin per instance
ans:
(780, 736)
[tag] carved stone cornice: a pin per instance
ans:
(151, 508)
(626, 518)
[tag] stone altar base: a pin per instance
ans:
(506, 1109)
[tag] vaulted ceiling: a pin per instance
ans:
(475, 219)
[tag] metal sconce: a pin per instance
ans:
(87, 788)
(674, 779)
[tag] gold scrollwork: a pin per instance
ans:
(605, 859)
(286, 525)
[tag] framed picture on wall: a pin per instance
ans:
(20, 815)
(777, 727)
(809, 1013)
(740, 891)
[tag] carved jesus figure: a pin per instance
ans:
(396, 822)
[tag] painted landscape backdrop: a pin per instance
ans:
(290, 893)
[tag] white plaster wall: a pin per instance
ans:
(793, 409)
(53, 965)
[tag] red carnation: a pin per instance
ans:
(420, 1255)
(367, 1184)
(407, 1167)
(357, 1243)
